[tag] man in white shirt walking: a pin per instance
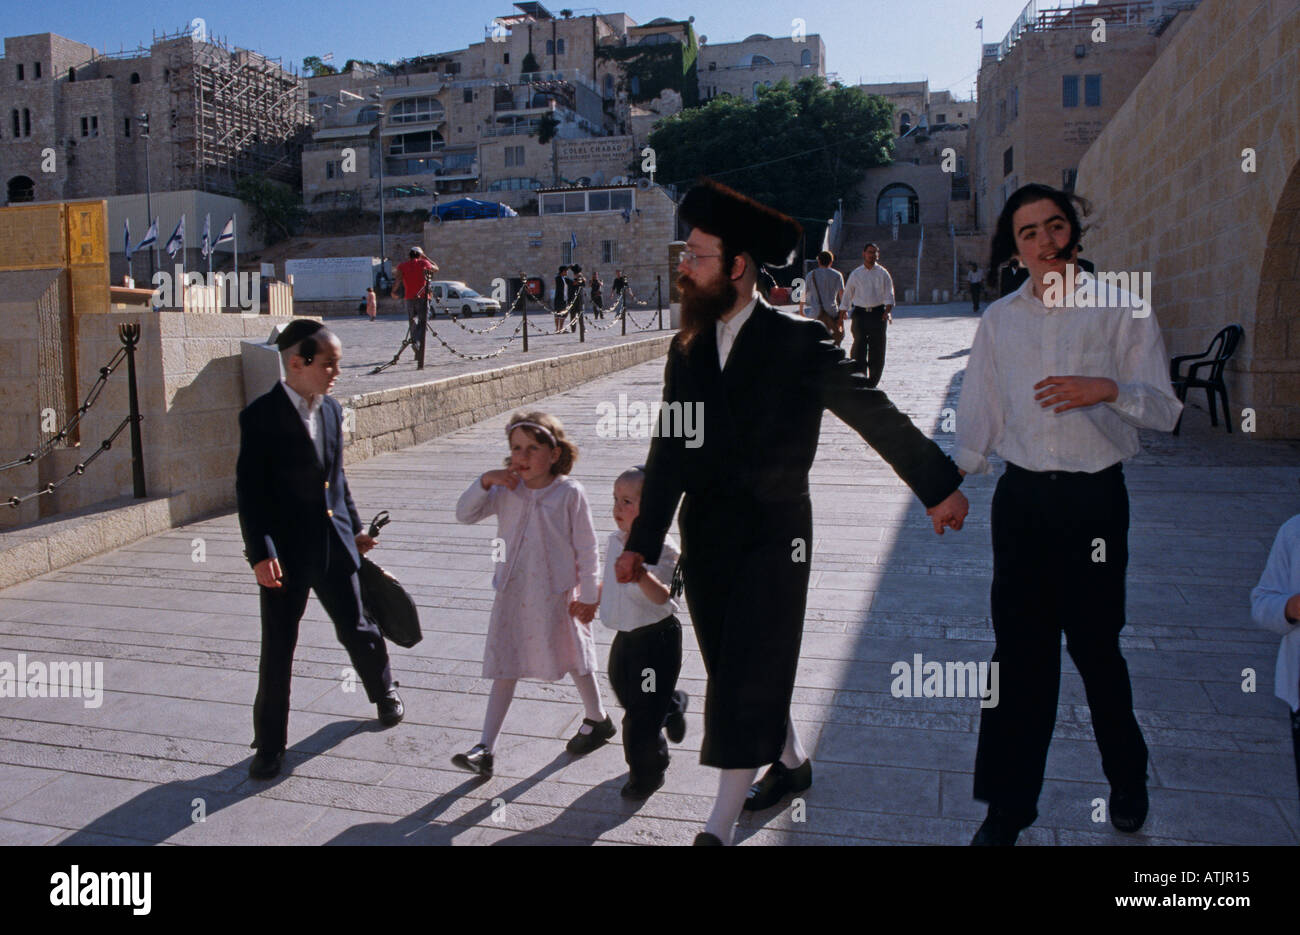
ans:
(869, 295)
(1060, 513)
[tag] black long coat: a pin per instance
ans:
(746, 503)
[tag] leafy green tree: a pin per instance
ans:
(798, 148)
(313, 64)
(277, 210)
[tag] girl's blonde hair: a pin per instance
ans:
(568, 450)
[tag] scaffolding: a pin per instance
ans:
(234, 112)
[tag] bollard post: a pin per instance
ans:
(622, 302)
(129, 334)
(582, 320)
(523, 305)
(659, 299)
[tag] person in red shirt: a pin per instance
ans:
(412, 274)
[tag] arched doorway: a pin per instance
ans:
(1276, 308)
(21, 189)
(898, 202)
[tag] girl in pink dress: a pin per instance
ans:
(547, 582)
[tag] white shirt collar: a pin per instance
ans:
(737, 320)
(299, 401)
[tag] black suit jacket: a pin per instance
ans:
(291, 506)
(762, 420)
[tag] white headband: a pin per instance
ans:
(533, 425)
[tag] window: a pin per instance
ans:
(329, 169)
(1068, 178)
(898, 204)
(713, 66)
(1092, 90)
(904, 121)
(21, 188)
(941, 118)
(566, 252)
(72, 74)
(27, 122)
(36, 69)
(608, 253)
(20, 71)
(135, 77)
(805, 58)
(514, 156)
(559, 46)
(1014, 103)
(620, 200)
(550, 46)
(126, 126)
(598, 201)
(1008, 161)
(1069, 90)
(416, 110)
(90, 126)
(506, 58)
(575, 202)
(468, 96)
(17, 126)
(409, 143)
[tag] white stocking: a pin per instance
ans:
(503, 692)
(733, 786)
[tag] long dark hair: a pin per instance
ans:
(1004, 235)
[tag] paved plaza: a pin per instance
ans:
(179, 640)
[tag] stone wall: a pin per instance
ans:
(1222, 244)
(476, 252)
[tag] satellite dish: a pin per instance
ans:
(643, 184)
(703, 39)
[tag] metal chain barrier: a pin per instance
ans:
(500, 350)
(488, 330)
(77, 471)
(47, 446)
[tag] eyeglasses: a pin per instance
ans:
(690, 256)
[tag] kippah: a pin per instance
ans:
(296, 330)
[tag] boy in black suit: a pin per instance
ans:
(302, 532)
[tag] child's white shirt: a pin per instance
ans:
(563, 517)
(1280, 580)
(625, 606)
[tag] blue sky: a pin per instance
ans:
(868, 40)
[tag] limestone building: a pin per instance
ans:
(741, 68)
(1047, 91)
(467, 122)
(1196, 180)
(70, 117)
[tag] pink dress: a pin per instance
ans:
(551, 558)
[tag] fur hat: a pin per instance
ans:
(743, 224)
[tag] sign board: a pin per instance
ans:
(325, 278)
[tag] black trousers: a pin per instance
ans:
(633, 657)
(869, 341)
(975, 289)
(339, 593)
(417, 316)
(1047, 579)
(747, 597)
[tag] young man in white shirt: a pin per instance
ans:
(869, 295)
(1060, 513)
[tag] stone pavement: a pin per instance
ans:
(179, 642)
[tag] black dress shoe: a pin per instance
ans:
(478, 760)
(675, 724)
(1128, 807)
(998, 830)
(581, 744)
(391, 709)
(705, 839)
(778, 782)
(266, 765)
(641, 789)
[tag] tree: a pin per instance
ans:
(277, 211)
(530, 64)
(797, 148)
(546, 127)
(313, 64)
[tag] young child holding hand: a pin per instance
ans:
(646, 656)
(549, 577)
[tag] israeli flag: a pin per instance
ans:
(176, 242)
(227, 232)
(150, 236)
(207, 235)
(126, 238)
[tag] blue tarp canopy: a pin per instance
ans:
(469, 208)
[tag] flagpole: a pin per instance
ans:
(234, 243)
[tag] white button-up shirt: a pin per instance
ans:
(309, 413)
(1281, 579)
(625, 606)
(1020, 342)
(868, 288)
(727, 331)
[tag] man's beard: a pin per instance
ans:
(703, 305)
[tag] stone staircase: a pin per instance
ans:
(899, 257)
